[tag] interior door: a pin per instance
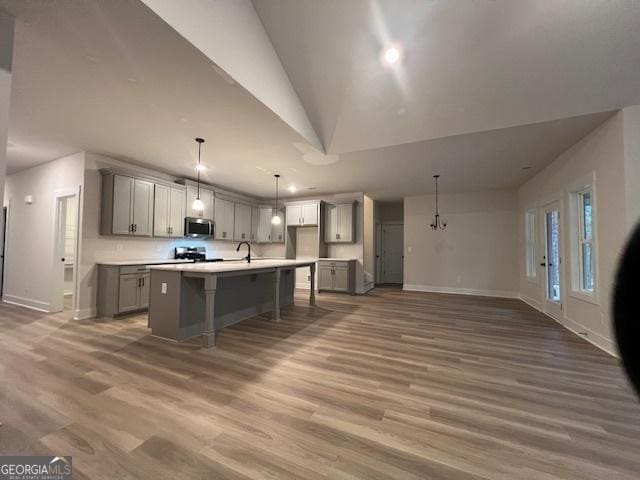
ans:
(552, 260)
(392, 253)
(176, 213)
(142, 207)
(161, 211)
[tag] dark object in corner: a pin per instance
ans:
(626, 308)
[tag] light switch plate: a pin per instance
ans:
(163, 288)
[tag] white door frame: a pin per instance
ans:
(382, 249)
(552, 308)
(4, 240)
(56, 299)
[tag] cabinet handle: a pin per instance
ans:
(269, 237)
(142, 281)
(243, 236)
(135, 227)
(303, 220)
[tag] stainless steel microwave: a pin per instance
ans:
(198, 227)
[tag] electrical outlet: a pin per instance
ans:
(163, 289)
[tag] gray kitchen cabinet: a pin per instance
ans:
(207, 198)
(127, 206)
(224, 218)
(264, 225)
(306, 214)
(277, 231)
(255, 223)
(242, 222)
(339, 223)
(337, 275)
(168, 211)
(122, 289)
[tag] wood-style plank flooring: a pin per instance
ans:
(391, 385)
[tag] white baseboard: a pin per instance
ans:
(303, 286)
(460, 291)
(531, 302)
(84, 313)
(593, 337)
(27, 303)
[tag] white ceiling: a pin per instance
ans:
(468, 66)
(113, 78)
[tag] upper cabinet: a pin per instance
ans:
(339, 223)
(255, 221)
(264, 225)
(277, 231)
(242, 222)
(168, 211)
(224, 219)
(127, 206)
(306, 214)
(207, 198)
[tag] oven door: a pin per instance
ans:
(198, 227)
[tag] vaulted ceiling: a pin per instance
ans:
(298, 87)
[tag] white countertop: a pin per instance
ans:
(121, 263)
(333, 259)
(221, 267)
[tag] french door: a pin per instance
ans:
(552, 260)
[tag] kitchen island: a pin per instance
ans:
(187, 300)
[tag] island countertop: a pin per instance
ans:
(234, 266)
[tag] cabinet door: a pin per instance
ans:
(277, 231)
(325, 278)
(225, 219)
(264, 227)
(310, 214)
(242, 222)
(161, 199)
(128, 294)
(142, 208)
(345, 231)
(176, 212)
(206, 196)
(255, 223)
(122, 205)
(143, 291)
(341, 279)
(331, 224)
(294, 215)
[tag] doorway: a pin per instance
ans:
(552, 260)
(3, 242)
(392, 253)
(64, 260)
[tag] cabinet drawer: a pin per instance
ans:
(128, 269)
(335, 265)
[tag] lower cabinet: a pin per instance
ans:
(122, 289)
(337, 276)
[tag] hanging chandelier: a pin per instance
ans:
(437, 223)
(275, 220)
(198, 204)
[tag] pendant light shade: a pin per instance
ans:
(276, 220)
(198, 204)
(437, 222)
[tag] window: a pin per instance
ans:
(530, 242)
(585, 240)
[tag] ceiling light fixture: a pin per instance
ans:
(198, 204)
(276, 220)
(437, 223)
(293, 189)
(200, 167)
(391, 55)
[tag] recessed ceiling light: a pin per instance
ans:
(391, 55)
(200, 167)
(293, 189)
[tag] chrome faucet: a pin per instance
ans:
(248, 257)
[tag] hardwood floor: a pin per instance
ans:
(391, 385)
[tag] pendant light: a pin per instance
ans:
(276, 220)
(437, 223)
(198, 204)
